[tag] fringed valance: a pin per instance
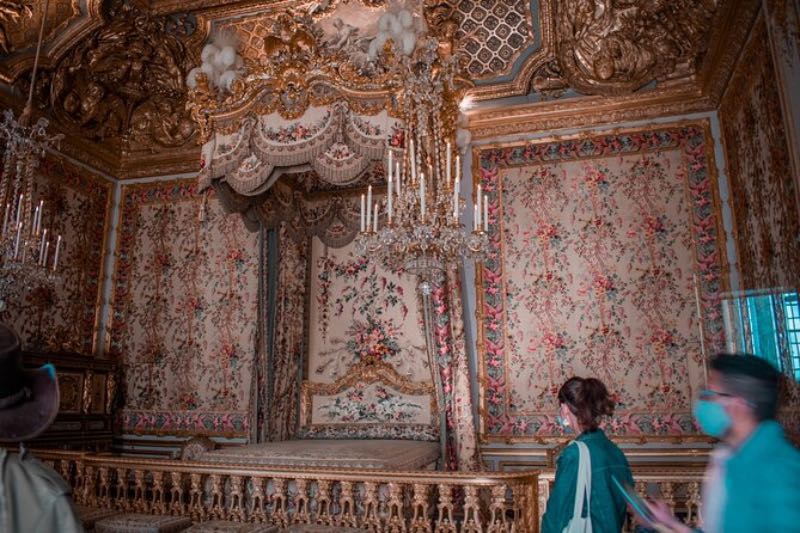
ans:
(338, 144)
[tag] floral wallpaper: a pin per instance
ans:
(77, 207)
(763, 186)
(184, 321)
(596, 242)
(358, 311)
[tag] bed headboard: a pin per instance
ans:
(371, 401)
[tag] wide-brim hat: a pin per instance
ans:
(29, 399)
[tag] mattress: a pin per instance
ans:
(376, 454)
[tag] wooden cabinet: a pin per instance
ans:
(88, 388)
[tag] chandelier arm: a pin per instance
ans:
(26, 114)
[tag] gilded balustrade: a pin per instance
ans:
(679, 487)
(380, 501)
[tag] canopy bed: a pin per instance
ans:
(291, 137)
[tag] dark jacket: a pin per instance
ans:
(608, 507)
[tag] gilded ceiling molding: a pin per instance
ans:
(69, 22)
(612, 48)
(585, 111)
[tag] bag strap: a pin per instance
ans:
(583, 487)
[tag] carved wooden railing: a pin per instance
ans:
(390, 501)
(679, 487)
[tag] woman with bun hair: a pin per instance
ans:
(583, 403)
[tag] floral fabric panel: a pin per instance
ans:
(371, 404)
(76, 206)
(763, 187)
(596, 245)
(358, 310)
(184, 312)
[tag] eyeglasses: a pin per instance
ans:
(708, 394)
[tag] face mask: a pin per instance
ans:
(563, 422)
(712, 418)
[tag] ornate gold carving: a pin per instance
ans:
(616, 47)
(12, 12)
(367, 371)
(125, 83)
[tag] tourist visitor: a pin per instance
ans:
(583, 403)
(33, 497)
(753, 477)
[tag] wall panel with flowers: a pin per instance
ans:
(763, 186)
(596, 243)
(184, 312)
(77, 206)
(359, 311)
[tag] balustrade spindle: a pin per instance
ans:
(420, 521)
(139, 501)
(280, 515)
(104, 489)
(444, 522)
(347, 512)
(324, 502)
(301, 511)
(217, 498)
(86, 495)
(157, 503)
(372, 520)
(257, 500)
(396, 522)
(472, 511)
(177, 507)
(196, 508)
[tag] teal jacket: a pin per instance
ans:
(762, 484)
(608, 507)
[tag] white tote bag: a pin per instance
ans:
(583, 489)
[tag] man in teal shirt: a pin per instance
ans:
(753, 478)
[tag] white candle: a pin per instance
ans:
(16, 242)
(375, 222)
(363, 215)
(369, 203)
(41, 213)
(35, 218)
(41, 246)
(422, 195)
(44, 257)
(5, 218)
(455, 200)
(449, 161)
(413, 162)
(458, 167)
(475, 217)
(478, 205)
(55, 257)
(399, 177)
(19, 209)
(389, 199)
(389, 167)
(485, 215)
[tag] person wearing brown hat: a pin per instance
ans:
(33, 497)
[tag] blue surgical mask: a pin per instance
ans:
(563, 422)
(712, 418)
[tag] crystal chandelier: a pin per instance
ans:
(416, 227)
(29, 252)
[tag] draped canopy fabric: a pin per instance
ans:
(334, 141)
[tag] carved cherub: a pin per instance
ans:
(345, 35)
